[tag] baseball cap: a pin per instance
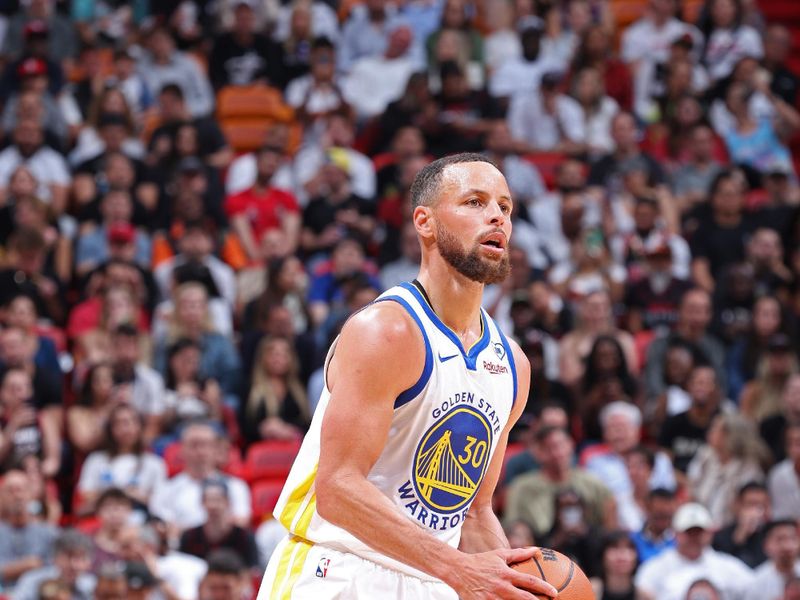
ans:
(690, 516)
(32, 67)
(36, 27)
(339, 157)
(121, 233)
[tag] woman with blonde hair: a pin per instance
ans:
(276, 406)
(733, 455)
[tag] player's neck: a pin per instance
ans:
(455, 299)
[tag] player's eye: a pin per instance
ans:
(473, 202)
(506, 209)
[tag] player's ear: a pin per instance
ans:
(424, 221)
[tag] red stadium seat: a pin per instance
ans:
(270, 459)
(264, 495)
(547, 163)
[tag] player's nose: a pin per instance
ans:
(494, 213)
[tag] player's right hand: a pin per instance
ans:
(488, 576)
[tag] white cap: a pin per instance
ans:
(692, 515)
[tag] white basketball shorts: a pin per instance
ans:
(300, 570)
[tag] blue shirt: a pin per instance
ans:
(759, 149)
(647, 547)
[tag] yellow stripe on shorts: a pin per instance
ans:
(295, 500)
(297, 568)
(305, 518)
(290, 567)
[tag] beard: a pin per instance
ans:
(469, 263)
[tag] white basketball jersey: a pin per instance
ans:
(443, 435)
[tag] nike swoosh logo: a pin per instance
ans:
(446, 358)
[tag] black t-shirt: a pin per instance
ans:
(785, 85)
(657, 309)
(232, 63)
(751, 552)
(773, 430)
(210, 138)
(722, 246)
(680, 436)
(470, 107)
(26, 441)
(321, 212)
(195, 542)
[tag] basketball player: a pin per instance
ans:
(390, 495)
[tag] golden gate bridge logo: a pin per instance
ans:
(451, 460)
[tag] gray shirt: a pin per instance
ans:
(29, 584)
(784, 489)
(35, 539)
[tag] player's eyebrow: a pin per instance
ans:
(475, 191)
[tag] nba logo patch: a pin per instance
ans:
(499, 350)
(322, 567)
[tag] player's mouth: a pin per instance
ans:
(494, 243)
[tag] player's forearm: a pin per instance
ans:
(482, 532)
(344, 500)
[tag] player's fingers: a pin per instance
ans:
(533, 584)
(515, 555)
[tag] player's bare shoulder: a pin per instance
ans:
(383, 336)
(523, 378)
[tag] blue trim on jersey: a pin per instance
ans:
(471, 357)
(511, 362)
(412, 392)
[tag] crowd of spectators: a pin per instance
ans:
(168, 294)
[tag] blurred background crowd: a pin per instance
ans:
(195, 194)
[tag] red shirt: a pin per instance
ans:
(264, 210)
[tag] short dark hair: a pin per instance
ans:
(224, 561)
(645, 452)
(427, 181)
(172, 88)
(322, 43)
(546, 432)
(776, 523)
(662, 493)
(115, 494)
(751, 486)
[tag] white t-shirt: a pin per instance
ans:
(727, 46)
(145, 472)
(182, 572)
(178, 501)
(598, 125)
(46, 165)
(519, 75)
(529, 122)
(669, 575)
(318, 102)
(375, 81)
(644, 39)
(768, 584)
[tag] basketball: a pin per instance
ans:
(560, 572)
